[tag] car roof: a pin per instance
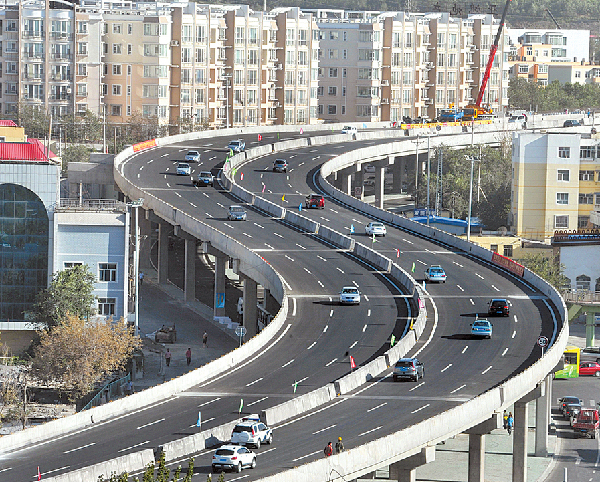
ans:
(280, 160)
(183, 164)
(230, 447)
(498, 299)
(316, 195)
(236, 206)
(247, 423)
(193, 152)
(406, 360)
(204, 173)
(349, 288)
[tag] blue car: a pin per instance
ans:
(481, 328)
(435, 273)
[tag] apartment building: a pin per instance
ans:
(226, 65)
(556, 183)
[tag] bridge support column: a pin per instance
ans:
(398, 176)
(346, 180)
(542, 419)
(358, 182)
(189, 286)
(590, 328)
(163, 252)
(220, 263)
(250, 310)
(379, 185)
(477, 446)
(405, 470)
(519, 465)
(145, 226)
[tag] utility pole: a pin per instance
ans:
(439, 193)
(428, 173)
(417, 142)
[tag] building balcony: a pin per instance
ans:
(61, 36)
(60, 97)
(62, 56)
(34, 57)
(32, 34)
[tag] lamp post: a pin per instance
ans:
(472, 159)
(136, 262)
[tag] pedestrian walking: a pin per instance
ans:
(328, 450)
(205, 340)
(339, 446)
(505, 419)
(188, 356)
(168, 357)
(510, 422)
(129, 387)
(141, 278)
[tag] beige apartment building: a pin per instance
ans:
(226, 65)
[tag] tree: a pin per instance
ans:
(75, 154)
(70, 292)
(77, 354)
(548, 268)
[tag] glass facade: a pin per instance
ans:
(24, 234)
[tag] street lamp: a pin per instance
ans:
(473, 160)
(136, 262)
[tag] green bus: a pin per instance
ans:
(571, 358)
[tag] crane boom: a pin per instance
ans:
(493, 50)
(553, 19)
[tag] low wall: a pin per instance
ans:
(301, 222)
(361, 375)
(337, 239)
(373, 257)
(273, 209)
(299, 404)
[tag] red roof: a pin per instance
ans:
(7, 123)
(22, 151)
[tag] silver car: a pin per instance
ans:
(377, 229)
(233, 457)
(349, 295)
(410, 368)
(236, 213)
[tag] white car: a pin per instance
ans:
(377, 229)
(349, 130)
(192, 156)
(251, 431)
(184, 169)
(233, 457)
(236, 213)
(350, 295)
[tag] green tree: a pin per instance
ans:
(76, 153)
(547, 267)
(70, 292)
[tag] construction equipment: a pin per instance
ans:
(553, 19)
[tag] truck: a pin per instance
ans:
(451, 115)
(586, 423)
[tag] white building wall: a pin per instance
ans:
(581, 261)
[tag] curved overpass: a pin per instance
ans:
(306, 348)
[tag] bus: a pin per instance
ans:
(571, 358)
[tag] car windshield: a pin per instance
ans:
(279, 161)
(436, 270)
(376, 225)
(315, 196)
(498, 303)
(407, 364)
(193, 153)
(205, 174)
(242, 428)
(235, 143)
(236, 209)
(224, 452)
(480, 323)
(353, 291)
(183, 165)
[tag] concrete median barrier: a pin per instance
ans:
(242, 193)
(373, 257)
(273, 209)
(301, 222)
(360, 376)
(300, 404)
(335, 238)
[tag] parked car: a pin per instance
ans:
(237, 145)
(236, 213)
(571, 123)
(377, 229)
(192, 156)
(589, 368)
(251, 431)
(350, 295)
(435, 273)
(184, 169)
(564, 401)
(280, 165)
(315, 201)
(349, 130)
(205, 178)
(498, 306)
(481, 328)
(410, 368)
(233, 457)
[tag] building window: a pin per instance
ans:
(586, 198)
(587, 152)
(562, 198)
(583, 221)
(116, 69)
(508, 250)
(586, 175)
(561, 222)
(117, 28)
(332, 90)
(71, 264)
(117, 49)
(107, 272)
(333, 72)
(129, 49)
(564, 152)
(116, 89)
(563, 174)
(106, 306)
(115, 110)
(583, 282)
(494, 248)
(332, 109)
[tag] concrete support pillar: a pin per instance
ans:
(189, 286)
(519, 466)
(405, 470)
(163, 252)
(542, 420)
(397, 177)
(346, 181)
(590, 329)
(220, 263)
(145, 226)
(379, 185)
(476, 457)
(358, 182)
(250, 310)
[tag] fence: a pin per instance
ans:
(107, 392)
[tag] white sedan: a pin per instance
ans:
(233, 457)
(377, 229)
(350, 295)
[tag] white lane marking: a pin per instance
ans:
(458, 264)
(331, 313)
(366, 298)
(79, 448)
(52, 471)
(514, 334)
(305, 456)
(321, 258)
(445, 368)
(325, 329)
(515, 317)
(134, 446)
(353, 344)
(419, 409)
(210, 401)
(208, 215)
(479, 276)
(369, 431)
(378, 406)
(465, 348)
(219, 204)
(369, 312)
(324, 429)
(150, 423)
(8, 468)
(457, 389)
(331, 362)
(460, 287)
(288, 363)
(300, 246)
(193, 205)
(321, 284)
(334, 211)
(255, 381)
(291, 259)
(261, 227)
(269, 246)
(279, 235)
(417, 386)
(307, 270)
(472, 302)
(294, 309)
(168, 185)
(419, 261)
(364, 328)
(325, 219)
(246, 234)
(313, 344)
(205, 195)
(340, 270)
(239, 478)
(495, 288)
(355, 284)
(504, 352)
(228, 225)
(203, 422)
(165, 155)
(486, 370)
(406, 240)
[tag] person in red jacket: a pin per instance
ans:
(328, 450)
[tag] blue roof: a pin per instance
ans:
(448, 221)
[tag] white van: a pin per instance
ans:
(349, 130)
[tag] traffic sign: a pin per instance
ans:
(240, 331)
(542, 341)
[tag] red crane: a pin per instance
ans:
(493, 50)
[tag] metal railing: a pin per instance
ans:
(66, 204)
(580, 296)
(107, 392)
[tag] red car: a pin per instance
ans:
(590, 368)
(315, 201)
